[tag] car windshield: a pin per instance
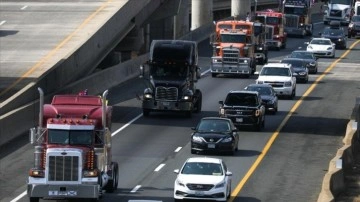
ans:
(202, 168)
(320, 42)
(72, 137)
(302, 55)
(275, 71)
(333, 32)
(294, 63)
(212, 125)
(261, 89)
(241, 99)
(233, 38)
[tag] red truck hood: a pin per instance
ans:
(235, 45)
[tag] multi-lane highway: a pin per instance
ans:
(284, 162)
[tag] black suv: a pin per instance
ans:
(244, 108)
(336, 34)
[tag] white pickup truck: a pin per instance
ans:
(280, 76)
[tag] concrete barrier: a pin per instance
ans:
(334, 180)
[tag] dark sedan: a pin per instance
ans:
(308, 57)
(337, 36)
(299, 66)
(268, 96)
(354, 26)
(215, 134)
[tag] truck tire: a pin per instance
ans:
(34, 199)
(146, 112)
(112, 184)
(198, 104)
(188, 113)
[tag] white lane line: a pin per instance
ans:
(126, 125)
(24, 7)
(135, 189)
(159, 167)
(178, 149)
(2, 22)
(19, 197)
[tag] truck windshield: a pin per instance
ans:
(272, 20)
(169, 71)
(72, 137)
(345, 2)
(295, 10)
(232, 38)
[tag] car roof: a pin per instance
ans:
(216, 118)
(204, 159)
(244, 91)
(277, 65)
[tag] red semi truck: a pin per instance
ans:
(72, 157)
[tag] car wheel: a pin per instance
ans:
(193, 151)
(213, 75)
(34, 199)
(177, 200)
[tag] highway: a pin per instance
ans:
(286, 161)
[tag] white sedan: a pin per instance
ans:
(203, 178)
(321, 47)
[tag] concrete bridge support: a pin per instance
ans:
(201, 13)
(239, 8)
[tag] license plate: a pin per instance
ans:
(211, 146)
(199, 193)
(166, 103)
(239, 120)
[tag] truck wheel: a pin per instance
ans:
(188, 114)
(198, 102)
(112, 184)
(34, 199)
(146, 112)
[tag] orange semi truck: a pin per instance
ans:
(72, 149)
(233, 48)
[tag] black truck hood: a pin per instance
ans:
(169, 83)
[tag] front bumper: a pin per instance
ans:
(225, 68)
(153, 105)
(273, 44)
(328, 53)
(243, 120)
(287, 91)
(63, 191)
(343, 21)
(214, 194)
(212, 146)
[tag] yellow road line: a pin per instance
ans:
(53, 51)
(282, 124)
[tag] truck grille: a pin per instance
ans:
(335, 13)
(270, 32)
(200, 187)
(292, 21)
(63, 168)
(231, 56)
(164, 93)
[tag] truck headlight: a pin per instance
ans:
(260, 48)
(351, 25)
(339, 39)
(257, 112)
(196, 139)
(148, 96)
(90, 173)
(186, 97)
(36, 173)
(216, 60)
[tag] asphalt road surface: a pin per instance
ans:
(286, 161)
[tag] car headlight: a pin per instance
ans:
(312, 64)
(330, 48)
(221, 184)
(260, 48)
(217, 60)
(339, 39)
(228, 139)
(309, 47)
(288, 84)
(180, 183)
(351, 25)
(197, 139)
(302, 73)
(295, 73)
